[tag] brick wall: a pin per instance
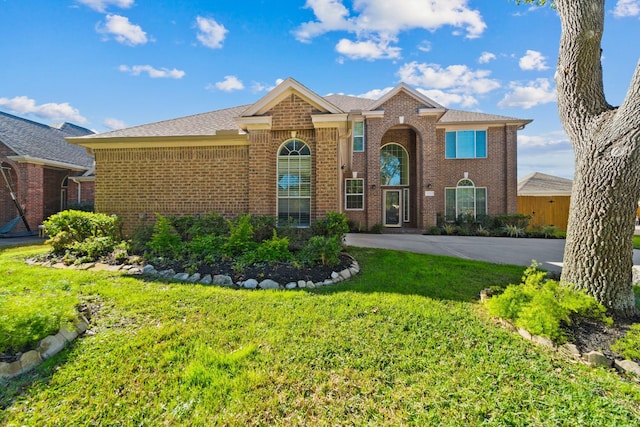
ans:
(137, 183)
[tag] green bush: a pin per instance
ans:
(629, 345)
(205, 248)
(27, 317)
(275, 249)
(543, 306)
(165, 241)
(240, 237)
(513, 230)
(333, 225)
(322, 249)
(79, 233)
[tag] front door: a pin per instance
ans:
(392, 208)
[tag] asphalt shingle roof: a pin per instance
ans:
(40, 141)
(541, 184)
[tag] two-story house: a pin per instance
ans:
(399, 161)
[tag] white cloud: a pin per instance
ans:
(536, 92)
(454, 78)
(114, 124)
(377, 23)
(229, 84)
(375, 93)
(549, 153)
(210, 33)
(447, 99)
(425, 46)
(101, 5)
(368, 50)
(486, 57)
(260, 87)
(154, 73)
(625, 8)
(533, 60)
(122, 30)
(50, 111)
(549, 139)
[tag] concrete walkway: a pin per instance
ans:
(498, 250)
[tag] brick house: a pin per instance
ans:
(45, 172)
(400, 161)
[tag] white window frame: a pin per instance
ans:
(282, 194)
(347, 194)
(475, 144)
(475, 198)
(354, 136)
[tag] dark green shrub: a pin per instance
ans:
(543, 306)
(165, 241)
(377, 228)
(435, 231)
(68, 230)
(240, 237)
(275, 249)
(333, 225)
(140, 239)
(205, 248)
(322, 249)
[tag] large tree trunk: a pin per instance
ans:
(606, 188)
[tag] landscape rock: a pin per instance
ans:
(10, 370)
(524, 334)
(206, 280)
(570, 350)
(627, 366)
(222, 280)
(334, 275)
(167, 273)
(547, 342)
(181, 276)
(67, 333)
(51, 345)
(595, 358)
(291, 285)
(193, 278)
(345, 274)
(302, 284)
(149, 269)
(250, 284)
(269, 284)
(30, 360)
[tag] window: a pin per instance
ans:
(358, 136)
(465, 200)
(394, 165)
(294, 184)
(466, 144)
(354, 194)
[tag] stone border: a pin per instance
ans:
(217, 280)
(592, 358)
(47, 347)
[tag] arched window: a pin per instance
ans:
(294, 184)
(465, 201)
(394, 165)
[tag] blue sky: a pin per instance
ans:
(108, 64)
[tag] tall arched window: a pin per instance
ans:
(394, 165)
(465, 201)
(294, 184)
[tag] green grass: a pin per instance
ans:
(636, 242)
(404, 343)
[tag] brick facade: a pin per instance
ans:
(240, 174)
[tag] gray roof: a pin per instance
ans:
(39, 141)
(195, 125)
(209, 123)
(541, 184)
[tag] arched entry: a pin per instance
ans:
(395, 182)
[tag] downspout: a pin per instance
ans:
(79, 184)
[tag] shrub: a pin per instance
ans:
(543, 306)
(165, 241)
(275, 249)
(205, 248)
(377, 228)
(629, 345)
(333, 225)
(513, 230)
(263, 227)
(240, 237)
(549, 231)
(80, 233)
(322, 249)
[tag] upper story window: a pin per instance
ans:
(466, 144)
(294, 184)
(358, 136)
(354, 194)
(394, 165)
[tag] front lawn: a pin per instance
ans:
(403, 343)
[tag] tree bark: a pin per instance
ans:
(606, 188)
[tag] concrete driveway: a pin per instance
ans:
(499, 250)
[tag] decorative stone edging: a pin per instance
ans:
(217, 280)
(47, 347)
(592, 358)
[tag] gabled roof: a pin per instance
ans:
(40, 143)
(403, 87)
(540, 184)
(350, 103)
(283, 90)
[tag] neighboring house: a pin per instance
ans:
(546, 199)
(45, 172)
(400, 161)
